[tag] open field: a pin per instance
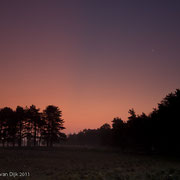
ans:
(74, 163)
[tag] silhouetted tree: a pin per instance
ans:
(166, 121)
(118, 132)
(105, 134)
(2, 125)
(35, 118)
(159, 130)
(20, 118)
(139, 130)
(132, 116)
(31, 126)
(53, 124)
(28, 135)
(9, 128)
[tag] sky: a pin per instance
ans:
(94, 59)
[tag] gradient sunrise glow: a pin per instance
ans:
(93, 59)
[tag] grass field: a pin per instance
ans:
(74, 163)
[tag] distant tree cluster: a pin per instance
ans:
(30, 127)
(159, 131)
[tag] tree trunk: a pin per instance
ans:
(20, 134)
(35, 134)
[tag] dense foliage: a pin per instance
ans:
(29, 126)
(156, 132)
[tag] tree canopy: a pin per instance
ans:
(156, 132)
(28, 126)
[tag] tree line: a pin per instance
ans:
(155, 132)
(30, 127)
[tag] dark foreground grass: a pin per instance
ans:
(80, 163)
